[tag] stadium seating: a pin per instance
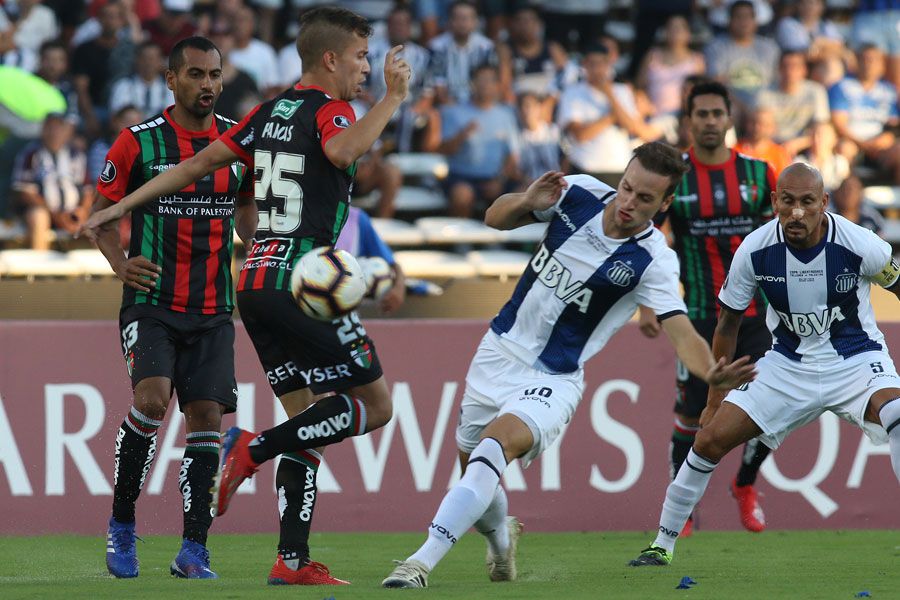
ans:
(38, 263)
(91, 262)
(498, 263)
(454, 230)
(434, 263)
(398, 233)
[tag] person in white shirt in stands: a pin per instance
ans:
(146, 89)
(456, 53)
(253, 56)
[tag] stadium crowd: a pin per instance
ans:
(504, 89)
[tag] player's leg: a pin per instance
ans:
(149, 357)
(689, 403)
(884, 408)
(730, 427)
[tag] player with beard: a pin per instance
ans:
(177, 333)
(718, 202)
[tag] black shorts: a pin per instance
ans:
(196, 352)
(297, 351)
(754, 340)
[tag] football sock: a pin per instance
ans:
(465, 503)
(326, 422)
(755, 452)
(198, 467)
(135, 449)
(681, 496)
(682, 440)
(492, 523)
(890, 420)
(295, 482)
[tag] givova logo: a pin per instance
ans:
(328, 427)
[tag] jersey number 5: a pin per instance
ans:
(280, 175)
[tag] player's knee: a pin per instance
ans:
(151, 406)
(203, 415)
(708, 445)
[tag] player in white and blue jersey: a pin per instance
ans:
(600, 258)
(815, 268)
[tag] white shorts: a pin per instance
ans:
(787, 394)
(498, 383)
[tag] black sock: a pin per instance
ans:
(135, 449)
(198, 467)
(295, 482)
(329, 420)
(755, 452)
(682, 440)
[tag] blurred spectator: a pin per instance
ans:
(575, 24)
(595, 116)
(864, 112)
(719, 13)
(480, 139)
(758, 143)
(359, 238)
(412, 112)
(69, 15)
(742, 60)
(848, 201)
(54, 69)
(126, 116)
(530, 63)
(175, 23)
(98, 62)
(650, 17)
(33, 24)
(146, 89)
(877, 22)
(11, 55)
(807, 31)
(219, 17)
(539, 139)
(253, 56)
(799, 105)
(132, 28)
(374, 173)
(50, 183)
(666, 67)
(823, 155)
(457, 52)
(237, 86)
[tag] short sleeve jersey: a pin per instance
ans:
(303, 199)
(581, 286)
(819, 307)
(190, 233)
(715, 207)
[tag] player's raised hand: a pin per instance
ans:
(396, 73)
(138, 272)
(545, 190)
(724, 376)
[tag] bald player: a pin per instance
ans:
(828, 354)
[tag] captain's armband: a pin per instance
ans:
(888, 275)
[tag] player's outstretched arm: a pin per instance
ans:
(515, 210)
(214, 156)
(697, 357)
(344, 148)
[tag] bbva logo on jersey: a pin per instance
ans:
(807, 324)
(554, 275)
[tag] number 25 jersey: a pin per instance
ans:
(303, 199)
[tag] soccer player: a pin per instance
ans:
(816, 269)
(175, 321)
(302, 146)
(717, 203)
(600, 258)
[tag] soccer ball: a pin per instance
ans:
(379, 276)
(328, 283)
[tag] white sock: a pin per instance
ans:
(890, 420)
(464, 503)
(681, 496)
(492, 523)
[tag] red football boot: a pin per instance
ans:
(312, 573)
(752, 517)
(234, 467)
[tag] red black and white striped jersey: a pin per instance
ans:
(190, 233)
(715, 207)
(303, 199)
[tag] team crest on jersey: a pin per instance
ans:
(109, 172)
(341, 121)
(845, 282)
(620, 274)
(361, 353)
(285, 109)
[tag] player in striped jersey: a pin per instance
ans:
(176, 326)
(816, 270)
(717, 203)
(600, 258)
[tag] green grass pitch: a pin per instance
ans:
(557, 566)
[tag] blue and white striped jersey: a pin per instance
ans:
(819, 307)
(581, 286)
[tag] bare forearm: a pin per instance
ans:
(246, 219)
(108, 243)
(586, 131)
(694, 352)
(344, 148)
(452, 145)
(509, 211)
